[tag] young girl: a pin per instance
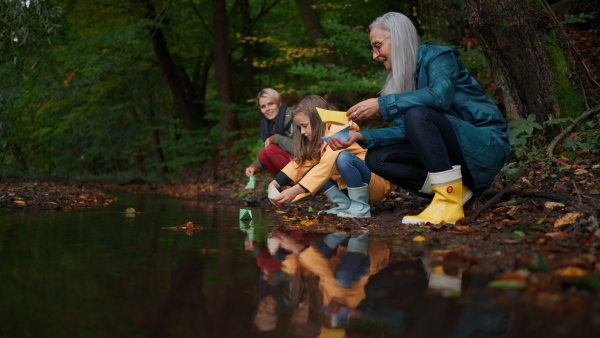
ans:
(276, 133)
(315, 166)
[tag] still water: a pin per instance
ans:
(98, 273)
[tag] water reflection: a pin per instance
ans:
(97, 273)
(343, 285)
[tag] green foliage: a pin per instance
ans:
(529, 145)
(577, 18)
(523, 135)
(27, 26)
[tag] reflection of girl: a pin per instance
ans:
(326, 258)
(315, 166)
(276, 133)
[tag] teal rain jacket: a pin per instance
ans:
(445, 84)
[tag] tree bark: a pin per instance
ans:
(516, 37)
(21, 164)
(160, 156)
(223, 69)
(184, 94)
(247, 85)
(311, 19)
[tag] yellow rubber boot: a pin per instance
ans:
(427, 189)
(447, 203)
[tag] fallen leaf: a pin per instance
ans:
(571, 271)
(553, 205)
(567, 219)
(306, 222)
(419, 239)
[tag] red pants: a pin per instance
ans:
(273, 158)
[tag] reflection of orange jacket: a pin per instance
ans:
(321, 172)
(312, 260)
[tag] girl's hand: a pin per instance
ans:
(250, 171)
(363, 110)
(288, 243)
(336, 143)
(275, 184)
(288, 195)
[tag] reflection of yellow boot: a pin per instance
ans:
(447, 203)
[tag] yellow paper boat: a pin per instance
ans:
(332, 116)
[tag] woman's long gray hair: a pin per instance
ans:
(405, 49)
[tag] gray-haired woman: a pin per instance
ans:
(449, 139)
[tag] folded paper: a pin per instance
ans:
(245, 214)
(332, 116)
(342, 134)
(251, 183)
(273, 245)
(272, 192)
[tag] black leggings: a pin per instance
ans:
(433, 147)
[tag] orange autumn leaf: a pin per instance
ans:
(419, 239)
(567, 219)
(571, 271)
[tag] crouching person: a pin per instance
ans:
(342, 175)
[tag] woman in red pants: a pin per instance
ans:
(276, 127)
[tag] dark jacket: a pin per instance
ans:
(283, 139)
(445, 84)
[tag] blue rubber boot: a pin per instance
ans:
(338, 197)
(360, 203)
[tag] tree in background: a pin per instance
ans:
(526, 50)
(148, 86)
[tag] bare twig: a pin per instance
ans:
(580, 205)
(567, 130)
(499, 195)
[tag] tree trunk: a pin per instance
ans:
(527, 61)
(311, 19)
(160, 156)
(184, 95)
(21, 164)
(223, 67)
(247, 85)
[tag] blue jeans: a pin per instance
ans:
(433, 147)
(354, 171)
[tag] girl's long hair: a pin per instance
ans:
(405, 49)
(305, 149)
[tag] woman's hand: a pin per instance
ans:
(363, 110)
(288, 195)
(250, 171)
(268, 141)
(336, 143)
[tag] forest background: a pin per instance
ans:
(117, 90)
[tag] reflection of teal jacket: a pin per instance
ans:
(445, 84)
